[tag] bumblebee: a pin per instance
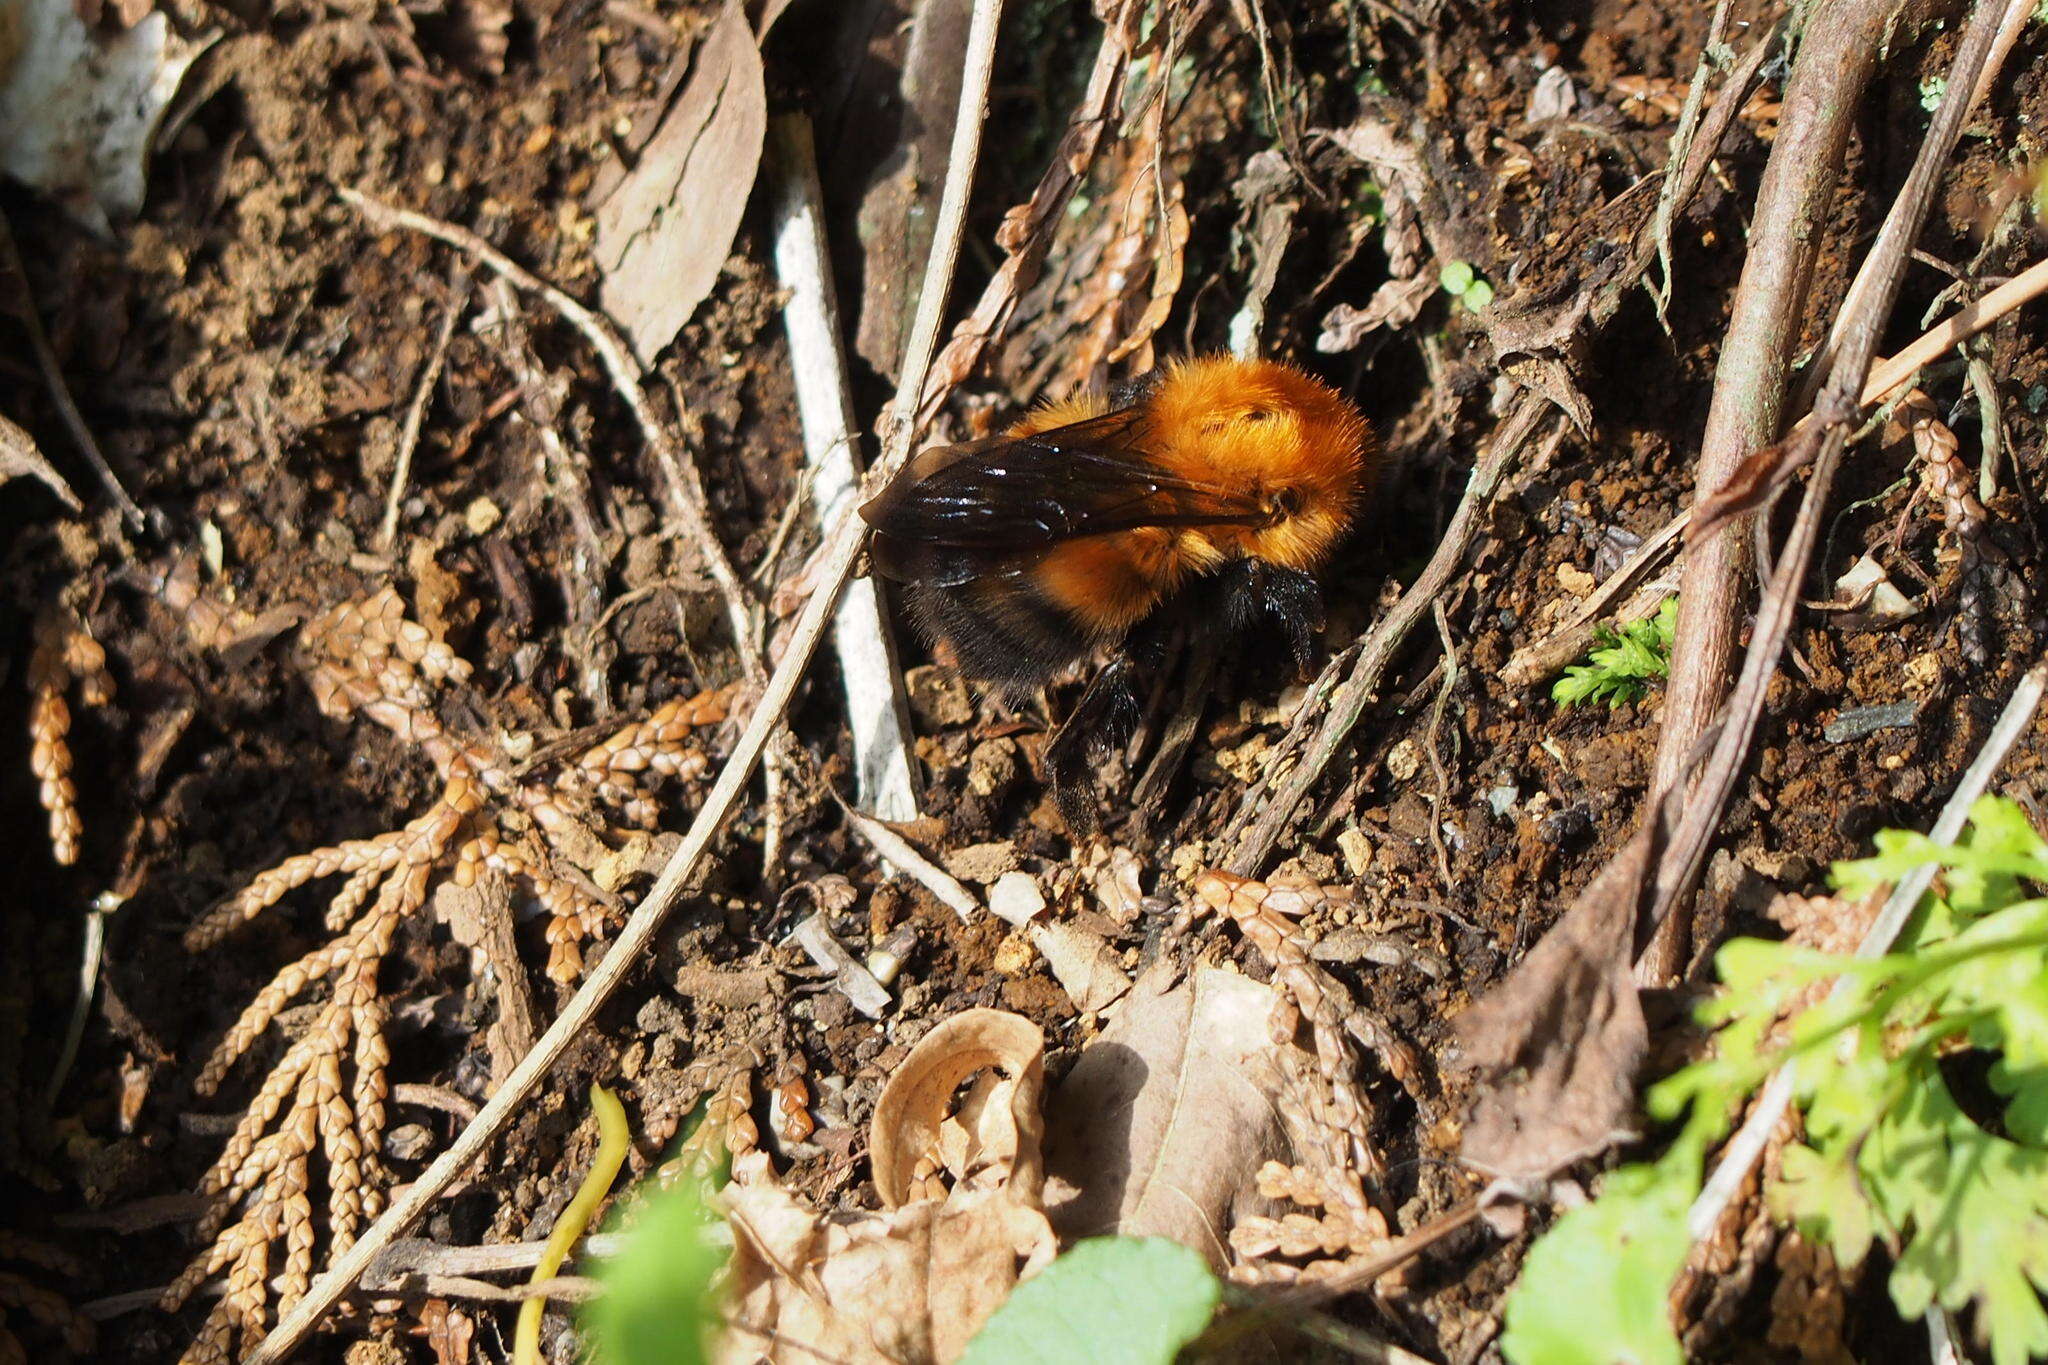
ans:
(1208, 495)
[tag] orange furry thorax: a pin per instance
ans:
(1255, 427)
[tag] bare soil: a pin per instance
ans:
(246, 352)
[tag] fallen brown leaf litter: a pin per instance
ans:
(1259, 1068)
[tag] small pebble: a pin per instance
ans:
(1015, 897)
(1868, 720)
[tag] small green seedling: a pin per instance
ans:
(659, 1306)
(1621, 663)
(1465, 285)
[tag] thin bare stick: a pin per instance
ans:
(1264, 822)
(1836, 56)
(904, 855)
(1740, 1155)
(842, 548)
(1681, 147)
(1964, 323)
(14, 290)
(409, 434)
(1835, 414)
(627, 378)
(876, 711)
(2009, 26)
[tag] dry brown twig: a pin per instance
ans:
(1835, 413)
(836, 560)
(64, 653)
(416, 411)
(1837, 53)
(328, 1093)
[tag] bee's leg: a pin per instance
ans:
(1288, 598)
(1100, 724)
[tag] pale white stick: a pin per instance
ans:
(836, 559)
(875, 708)
(2009, 26)
(409, 435)
(901, 853)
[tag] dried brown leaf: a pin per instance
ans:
(664, 232)
(901, 204)
(1760, 475)
(1090, 971)
(913, 1108)
(1166, 1120)
(1557, 1043)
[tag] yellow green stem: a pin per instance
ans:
(612, 1142)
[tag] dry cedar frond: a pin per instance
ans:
(1664, 97)
(64, 653)
(1950, 485)
(1121, 263)
(49, 1310)
(319, 1115)
(1328, 1115)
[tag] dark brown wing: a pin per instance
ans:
(995, 505)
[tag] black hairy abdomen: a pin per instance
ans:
(1002, 629)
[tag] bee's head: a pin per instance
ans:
(1284, 436)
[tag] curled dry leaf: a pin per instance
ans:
(1163, 1125)
(664, 231)
(912, 1110)
(1556, 1044)
(916, 1282)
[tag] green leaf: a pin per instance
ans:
(658, 1304)
(1456, 278)
(1109, 1301)
(1595, 1289)
(1888, 1154)
(1821, 1195)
